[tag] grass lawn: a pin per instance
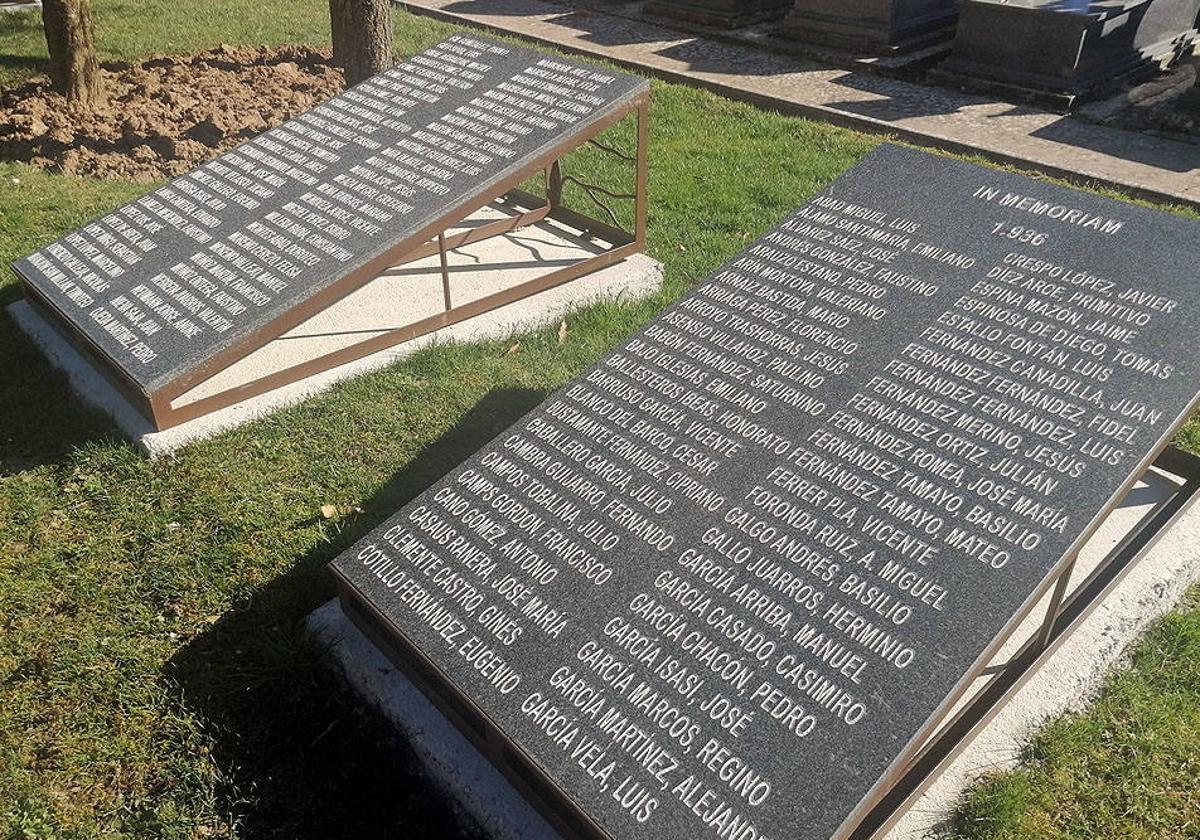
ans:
(1129, 767)
(155, 681)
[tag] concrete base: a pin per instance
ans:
(400, 296)
(1077, 670)
(1069, 680)
(450, 762)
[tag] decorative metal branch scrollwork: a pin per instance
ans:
(591, 191)
(612, 150)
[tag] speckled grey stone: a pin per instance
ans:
(284, 217)
(838, 505)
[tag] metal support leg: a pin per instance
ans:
(1056, 600)
(643, 168)
(1065, 614)
(445, 270)
(554, 186)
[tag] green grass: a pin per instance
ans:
(155, 680)
(1128, 767)
(130, 29)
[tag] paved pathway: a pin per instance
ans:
(1033, 139)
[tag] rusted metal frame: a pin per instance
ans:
(445, 272)
(591, 227)
(1053, 609)
(643, 172)
(1147, 530)
(397, 335)
(625, 244)
(1055, 606)
(157, 405)
(588, 226)
(554, 185)
(556, 180)
(162, 411)
(476, 234)
(962, 727)
(920, 738)
(321, 300)
(518, 766)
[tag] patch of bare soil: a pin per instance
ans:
(166, 115)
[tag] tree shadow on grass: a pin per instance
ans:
(300, 758)
(10, 61)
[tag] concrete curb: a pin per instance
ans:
(448, 760)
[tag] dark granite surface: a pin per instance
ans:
(719, 584)
(1075, 7)
(167, 282)
(872, 25)
(1067, 49)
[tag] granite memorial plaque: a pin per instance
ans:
(172, 287)
(725, 582)
(1060, 51)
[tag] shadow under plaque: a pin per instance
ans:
(743, 573)
(401, 295)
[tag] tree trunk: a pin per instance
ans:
(362, 37)
(74, 69)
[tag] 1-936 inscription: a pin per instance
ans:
(719, 585)
(171, 280)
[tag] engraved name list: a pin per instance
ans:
(717, 586)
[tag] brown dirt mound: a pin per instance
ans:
(167, 114)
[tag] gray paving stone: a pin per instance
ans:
(1037, 140)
